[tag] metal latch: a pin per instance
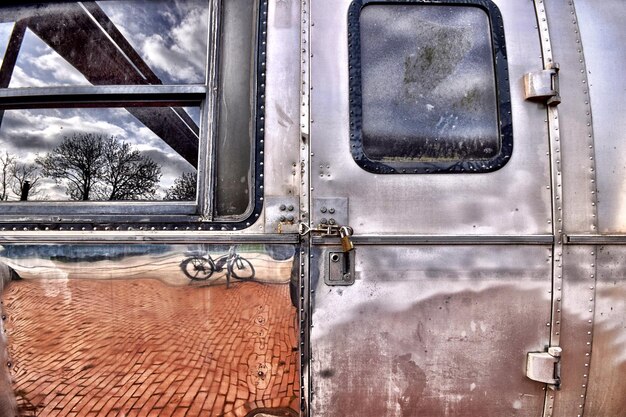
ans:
(329, 230)
(545, 367)
(340, 264)
(544, 84)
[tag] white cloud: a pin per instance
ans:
(5, 33)
(38, 65)
(180, 60)
(52, 129)
(170, 36)
(60, 69)
(21, 79)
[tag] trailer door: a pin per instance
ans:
(422, 143)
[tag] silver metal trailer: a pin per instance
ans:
(356, 208)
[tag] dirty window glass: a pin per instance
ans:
(428, 86)
(106, 42)
(236, 107)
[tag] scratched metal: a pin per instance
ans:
(576, 135)
(601, 27)
(282, 101)
(576, 315)
(431, 331)
(606, 395)
(512, 200)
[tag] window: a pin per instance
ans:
(428, 87)
(131, 110)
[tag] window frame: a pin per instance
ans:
(151, 214)
(502, 89)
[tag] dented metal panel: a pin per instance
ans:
(512, 200)
(576, 135)
(431, 331)
(427, 328)
(577, 298)
(282, 130)
(602, 34)
(606, 395)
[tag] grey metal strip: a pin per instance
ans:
(592, 201)
(99, 96)
(306, 203)
(557, 194)
(208, 130)
(441, 240)
(145, 237)
(555, 134)
(589, 239)
(45, 211)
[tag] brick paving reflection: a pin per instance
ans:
(142, 348)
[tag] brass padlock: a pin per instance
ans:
(346, 243)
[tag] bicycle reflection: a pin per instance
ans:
(202, 267)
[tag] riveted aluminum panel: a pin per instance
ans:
(603, 36)
(512, 200)
(430, 331)
(282, 129)
(576, 135)
(606, 395)
(578, 297)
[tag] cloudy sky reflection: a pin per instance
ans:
(170, 36)
(31, 133)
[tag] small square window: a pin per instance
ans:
(429, 90)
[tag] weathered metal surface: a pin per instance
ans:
(282, 100)
(606, 394)
(576, 328)
(146, 237)
(577, 154)
(397, 342)
(513, 200)
(339, 269)
(323, 210)
(453, 272)
(553, 122)
(282, 214)
(431, 331)
(402, 239)
(602, 28)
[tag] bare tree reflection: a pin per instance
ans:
(94, 167)
(184, 187)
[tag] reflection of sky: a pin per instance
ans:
(5, 33)
(28, 133)
(170, 35)
(39, 66)
(427, 73)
